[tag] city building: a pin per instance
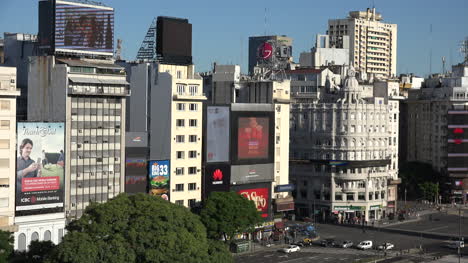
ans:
(8, 95)
(436, 128)
(282, 42)
(372, 42)
(2, 51)
(341, 163)
(322, 54)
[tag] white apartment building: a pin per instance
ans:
(342, 164)
(372, 43)
(8, 95)
(176, 129)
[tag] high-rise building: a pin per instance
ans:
(283, 42)
(323, 55)
(8, 95)
(341, 162)
(372, 43)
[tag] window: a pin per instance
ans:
(180, 138)
(193, 89)
(338, 197)
(370, 196)
(192, 202)
(192, 186)
(192, 138)
(47, 235)
(192, 154)
(382, 194)
(350, 196)
(180, 154)
(5, 105)
(180, 106)
(34, 236)
(179, 187)
(193, 123)
(179, 202)
(180, 89)
(179, 74)
(4, 144)
(192, 170)
(193, 107)
(4, 125)
(361, 196)
(180, 122)
(22, 242)
(180, 171)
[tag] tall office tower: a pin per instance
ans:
(437, 128)
(372, 43)
(345, 172)
(8, 95)
(258, 51)
(322, 55)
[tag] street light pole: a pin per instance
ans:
(405, 196)
(459, 233)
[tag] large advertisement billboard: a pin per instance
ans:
(217, 142)
(217, 178)
(83, 27)
(40, 168)
(136, 175)
(159, 175)
(260, 196)
(252, 173)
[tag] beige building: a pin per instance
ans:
(372, 43)
(8, 94)
(176, 129)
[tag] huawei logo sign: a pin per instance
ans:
(217, 176)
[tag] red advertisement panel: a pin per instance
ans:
(253, 138)
(260, 198)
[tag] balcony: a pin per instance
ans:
(189, 96)
(124, 91)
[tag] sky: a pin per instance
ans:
(221, 28)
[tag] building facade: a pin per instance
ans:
(8, 95)
(341, 163)
(372, 43)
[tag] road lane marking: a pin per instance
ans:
(436, 228)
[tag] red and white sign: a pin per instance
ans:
(218, 176)
(265, 50)
(40, 184)
(458, 183)
(260, 198)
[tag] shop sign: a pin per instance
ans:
(375, 207)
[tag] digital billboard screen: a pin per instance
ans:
(217, 142)
(260, 196)
(252, 138)
(136, 174)
(84, 27)
(159, 176)
(40, 168)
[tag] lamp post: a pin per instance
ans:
(405, 196)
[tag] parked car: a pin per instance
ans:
(346, 244)
(367, 244)
(455, 244)
(386, 246)
(327, 242)
(290, 249)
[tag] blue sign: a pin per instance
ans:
(284, 188)
(159, 175)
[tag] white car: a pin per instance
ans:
(290, 249)
(455, 244)
(386, 246)
(365, 245)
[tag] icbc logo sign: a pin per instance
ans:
(265, 50)
(260, 198)
(218, 176)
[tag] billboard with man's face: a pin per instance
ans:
(40, 168)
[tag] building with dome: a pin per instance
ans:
(344, 152)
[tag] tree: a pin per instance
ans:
(38, 252)
(429, 190)
(227, 213)
(138, 228)
(6, 245)
(413, 174)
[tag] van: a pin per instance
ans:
(365, 245)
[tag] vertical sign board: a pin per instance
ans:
(217, 178)
(40, 168)
(159, 176)
(217, 134)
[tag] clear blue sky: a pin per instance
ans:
(221, 28)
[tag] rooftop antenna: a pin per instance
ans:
(430, 50)
(265, 22)
(443, 65)
(118, 51)
(464, 50)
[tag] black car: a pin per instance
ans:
(327, 243)
(299, 244)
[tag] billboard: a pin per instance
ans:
(259, 196)
(174, 40)
(159, 176)
(136, 175)
(40, 168)
(217, 142)
(217, 178)
(83, 28)
(252, 173)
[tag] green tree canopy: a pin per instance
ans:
(6, 245)
(227, 213)
(138, 228)
(413, 174)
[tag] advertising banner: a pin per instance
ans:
(84, 27)
(136, 174)
(217, 178)
(253, 138)
(259, 196)
(217, 134)
(159, 176)
(40, 168)
(251, 173)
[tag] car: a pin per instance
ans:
(327, 242)
(367, 244)
(299, 244)
(290, 249)
(386, 246)
(346, 244)
(307, 241)
(455, 244)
